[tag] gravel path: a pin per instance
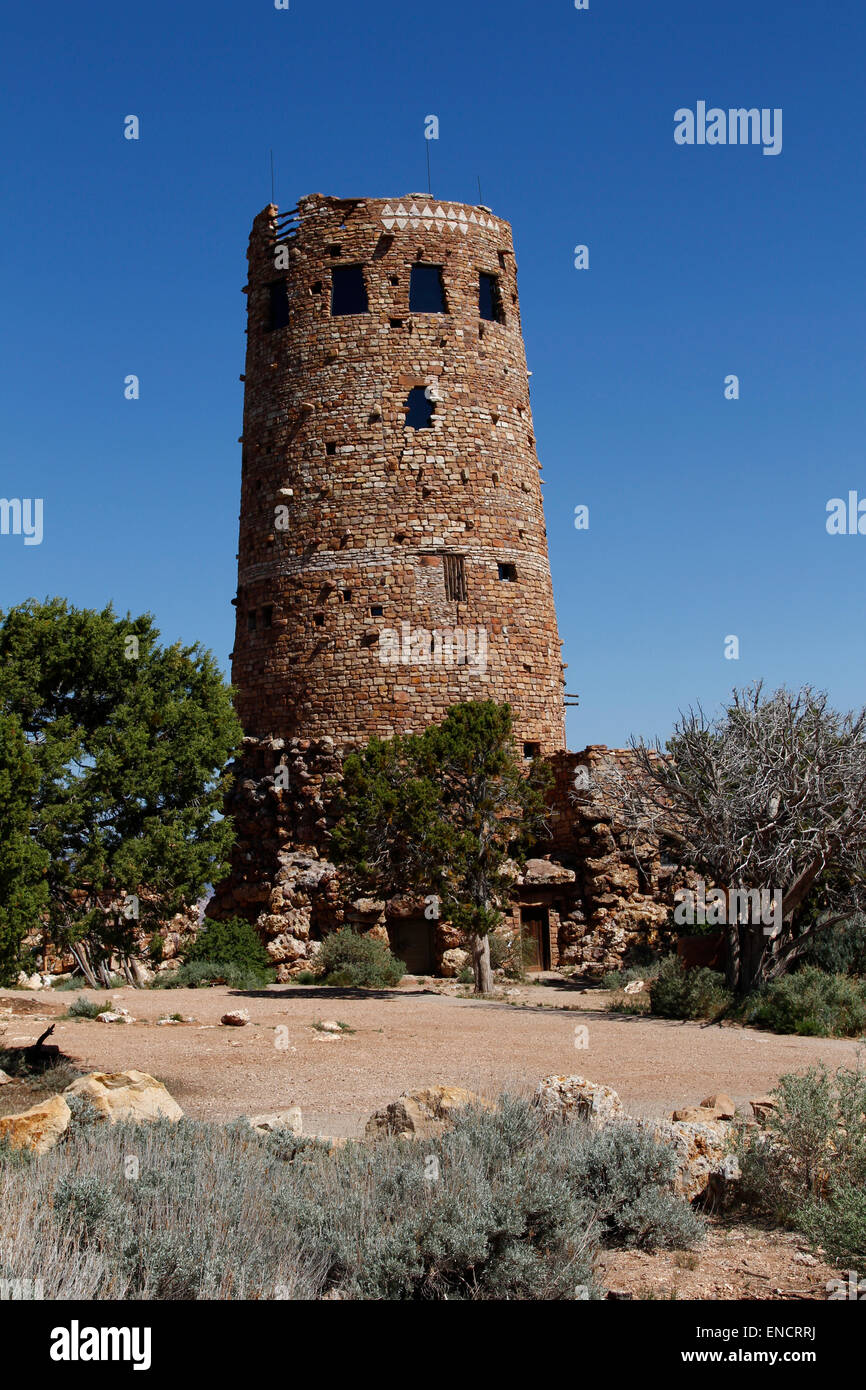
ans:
(407, 1038)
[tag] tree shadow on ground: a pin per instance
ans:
(335, 992)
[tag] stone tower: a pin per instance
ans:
(393, 555)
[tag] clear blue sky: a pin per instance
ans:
(707, 516)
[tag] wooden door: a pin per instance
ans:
(535, 929)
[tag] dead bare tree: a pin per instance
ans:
(770, 794)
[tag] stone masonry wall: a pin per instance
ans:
(602, 905)
(371, 507)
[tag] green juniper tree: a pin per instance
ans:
(445, 812)
(23, 864)
(128, 742)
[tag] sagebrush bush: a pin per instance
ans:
(679, 993)
(805, 1164)
(351, 960)
(82, 1007)
(507, 1204)
(811, 1003)
(618, 979)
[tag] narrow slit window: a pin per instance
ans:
(455, 578)
(508, 573)
(251, 620)
(419, 409)
(490, 298)
(349, 291)
(268, 616)
(278, 305)
(426, 290)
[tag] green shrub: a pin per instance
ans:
(805, 1164)
(840, 950)
(306, 977)
(838, 1224)
(353, 961)
(234, 942)
(811, 1004)
(87, 1008)
(618, 979)
(679, 993)
(507, 1204)
(201, 974)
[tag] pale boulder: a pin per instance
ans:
(39, 1128)
(702, 1152)
(417, 1114)
(290, 1120)
(454, 961)
(126, 1095)
(573, 1097)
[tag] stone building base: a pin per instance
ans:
(590, 899)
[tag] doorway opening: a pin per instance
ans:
(535, 933)
(412, 942)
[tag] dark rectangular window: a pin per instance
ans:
(376, 611)
(508, 573)
(455, 578)
(268, 616)
(251, 620)
(419, 409)
(349, 292)
(426, 291)
(532, 750)
(490, 299)
(278, 305)
(331, 446)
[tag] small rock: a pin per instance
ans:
(722, 1104)
(115, 1016)
(330, 1025)
(634, 988)
(235, 1018)
(4, 1079)
(763, 1106)
(803, 1258)
(290, 1119)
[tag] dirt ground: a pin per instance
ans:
(402, 1039)
(425, 1033)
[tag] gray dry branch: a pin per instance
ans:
(769, 794)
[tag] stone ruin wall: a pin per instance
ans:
(601, 905)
